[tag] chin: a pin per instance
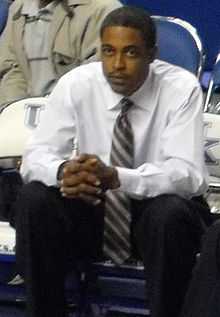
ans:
(120, 90)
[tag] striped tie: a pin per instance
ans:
(117, 214)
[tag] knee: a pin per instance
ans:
(34, 192)
(167, 211)
(163, 213)
(32, 199)
(165, 221)
(215, 227)
(212, 236)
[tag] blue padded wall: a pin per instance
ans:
(203, 14)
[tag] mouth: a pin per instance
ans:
(117, 76)
(118, 80)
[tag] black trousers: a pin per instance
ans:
(54, 234)
(203, 296)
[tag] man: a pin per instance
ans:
(44, 39)
(136, 179)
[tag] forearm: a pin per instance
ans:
(52, 141)
(45, 169)
(13, 86)
(173, 176)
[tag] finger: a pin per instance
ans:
(90, 199)
(91, 164)
(71, 180)
(72, 167)
(69, 196)
(75, 166)
(78, 178)
(93, 180)
(88, 160)
(81, 188)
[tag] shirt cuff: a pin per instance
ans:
(129, 181)
(52, 179)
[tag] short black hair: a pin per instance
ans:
(133, 17)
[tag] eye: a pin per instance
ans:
(107, 50)
(132, 52)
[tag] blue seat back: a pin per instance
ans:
(179, 44)
(4, 6)
(216, 72)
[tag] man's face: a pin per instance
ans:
(125, 58)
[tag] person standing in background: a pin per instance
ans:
(44, 39)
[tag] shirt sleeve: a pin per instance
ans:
(181, 169)
(52, 142)
(13, 84)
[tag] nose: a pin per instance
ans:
(119, 62)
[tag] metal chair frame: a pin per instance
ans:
(213, 83)
(213, 109)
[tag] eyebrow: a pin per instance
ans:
(106, 44)
(125, 48)
(131, 47)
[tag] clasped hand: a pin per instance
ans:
(87, 177)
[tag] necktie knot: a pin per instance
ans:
(126, 105)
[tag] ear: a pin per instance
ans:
(151, 54)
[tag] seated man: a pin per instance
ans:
(133, 183)
(44, 39)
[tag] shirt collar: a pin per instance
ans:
(141, 97)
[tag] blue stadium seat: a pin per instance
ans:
(113, 290)
(204, 15)
(179, 44)
(4, 5)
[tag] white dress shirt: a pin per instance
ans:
(166, 120)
